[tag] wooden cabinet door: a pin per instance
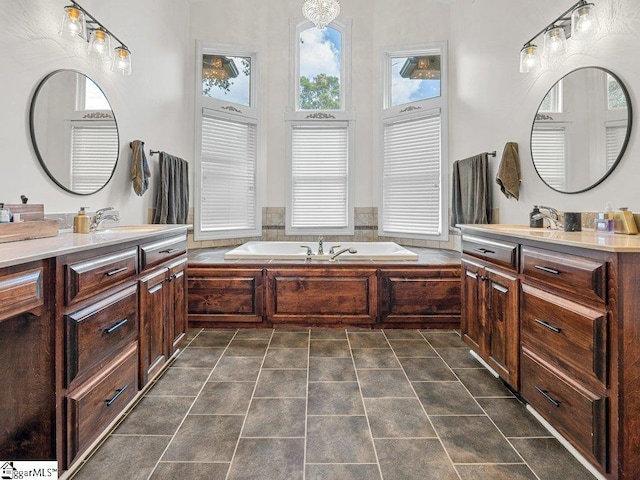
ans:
(472, 318)
(177, 311)
(501, 313)
(153, 305)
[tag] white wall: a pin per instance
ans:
(154, 104)
(492, 103)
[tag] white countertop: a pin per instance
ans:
(15, 253)
(609, 242)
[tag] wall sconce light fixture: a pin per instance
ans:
(75, 23)
(577, 23)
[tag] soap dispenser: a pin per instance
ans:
(534, 220)
(81, 222)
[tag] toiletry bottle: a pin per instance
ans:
(608, 211)
(535, 222)
(81, 222)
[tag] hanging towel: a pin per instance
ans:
(172, 196)
(140, 172)
(471, 202)
(508, 176)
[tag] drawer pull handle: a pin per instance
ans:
(484, 250)
(111, 273)
(172, 277)
(119, 392)
(170, 250)
(546, 325)
(116, 326)
(547, 269)
(544, 393)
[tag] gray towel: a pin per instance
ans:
(140, 172)
(471, 196)
(508, 176)
(172, 197)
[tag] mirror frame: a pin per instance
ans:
(624, 144)
(34, 142)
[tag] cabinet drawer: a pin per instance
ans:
(497, 252)
(157, 252)
(577, 413)
(97, 332)
(86, 278)
(571, 335)
(570, 273)
(91, 408)
(20, 292)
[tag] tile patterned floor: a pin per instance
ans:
(329, 404)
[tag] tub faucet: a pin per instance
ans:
(320, 245)
(332, 250)
(551, 215)
(309, 251)
(340, 252)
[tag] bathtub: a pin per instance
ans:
(293, 251)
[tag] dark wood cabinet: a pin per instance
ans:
(226, 296)
(489, 322)
(27, 402)
(322, 295)
(427, 296)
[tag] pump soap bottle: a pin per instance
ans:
(536, 222)
(81, 222)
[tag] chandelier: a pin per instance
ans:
(321, 12)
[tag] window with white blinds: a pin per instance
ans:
(94, 149)
(319, 176)
(411, 176)
(548, 147)
(228, 165)
(615, 140)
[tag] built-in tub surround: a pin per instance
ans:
(366, 230)
(298, 251)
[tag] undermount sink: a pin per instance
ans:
(129, 228)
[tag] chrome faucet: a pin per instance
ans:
(340, 252)
(332, 250)
(101, 216)
(551, 215)
(309, 251)
(320, 245)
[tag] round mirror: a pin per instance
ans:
(74, 132)
(581, 130)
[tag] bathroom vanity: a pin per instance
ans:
(86, 321)
(555, 315)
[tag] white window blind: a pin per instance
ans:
(615, 140)
(228, 175)
(411, 176)
(548, 148)
(94, 149)
(319, 176)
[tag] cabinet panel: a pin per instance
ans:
(95, 333)
(497, 252)
(91, 408)
(27, 401)
(571, 335)
(225, 295)
(153, 304)
(178, 309)
(415, 295)
(570, 273)
(86, 278)
(573, 410)
(322, 295)
(155, 253)
(472, 319)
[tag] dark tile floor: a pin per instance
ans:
(329, 404)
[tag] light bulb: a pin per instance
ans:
(529, 58)
(100, 44)
(584, 21)
(122, 61)
(555, 41)
(73, 24)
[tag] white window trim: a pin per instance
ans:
(349, 229)
(231, 111)
(346, 116)
(410, 111)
